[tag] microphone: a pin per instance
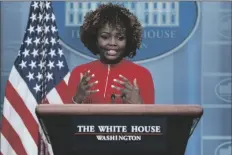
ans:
(113, 96)
(123, 98)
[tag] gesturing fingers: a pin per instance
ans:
(85, 84)
(89, 77)
(124, 79)
(124, 82)
(135, 84)
(122, 90)
(86, 78)
(116, 87)
(92, 91)
(83, 77)
(91, 84)
(119, 82)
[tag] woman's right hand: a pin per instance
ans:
(84, 86)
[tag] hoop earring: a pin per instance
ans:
(131, 54)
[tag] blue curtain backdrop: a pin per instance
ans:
(197, 72)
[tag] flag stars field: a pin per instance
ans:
(40, 73)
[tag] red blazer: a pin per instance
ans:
(105, 74)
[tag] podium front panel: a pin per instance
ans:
(107, 134)
(114, 130)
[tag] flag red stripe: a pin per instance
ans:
(12, 137)
(60, 89)
(20, 107)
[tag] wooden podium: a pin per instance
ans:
(113, 129)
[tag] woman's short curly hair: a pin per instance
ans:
(114, 15)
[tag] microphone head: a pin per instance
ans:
(123, 96)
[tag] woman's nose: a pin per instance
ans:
(112, 41)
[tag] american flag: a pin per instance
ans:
(39, 75)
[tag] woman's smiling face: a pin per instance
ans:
(111, 42)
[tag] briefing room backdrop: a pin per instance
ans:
(186, 47)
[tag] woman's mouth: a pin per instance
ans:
(112, 52)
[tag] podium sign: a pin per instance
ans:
(88, 131)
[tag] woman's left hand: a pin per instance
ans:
(130, 92)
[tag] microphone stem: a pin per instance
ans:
(123, 98)
(113, 98)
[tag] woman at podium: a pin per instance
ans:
(113, 33)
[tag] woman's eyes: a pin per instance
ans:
(104, 37)
(119, 37)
